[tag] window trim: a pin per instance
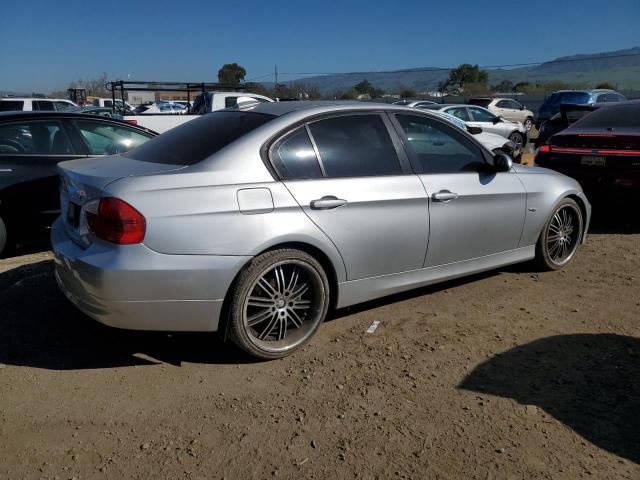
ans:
(284, 137)
(415, 163)
(403, 160)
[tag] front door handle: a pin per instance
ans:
(444, 196)
(328, 202)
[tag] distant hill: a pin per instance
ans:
(621, 68)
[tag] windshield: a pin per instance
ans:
(481, 102)
(197, 139)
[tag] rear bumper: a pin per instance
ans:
(135, 288)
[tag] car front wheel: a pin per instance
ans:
(279, 301)
(560, 236)
(518, 139)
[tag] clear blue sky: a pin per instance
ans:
(46, 44)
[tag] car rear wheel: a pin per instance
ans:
(279, 301)
(560, 236)
(528, 123)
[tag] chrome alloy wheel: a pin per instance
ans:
(284, 306)
(563, 235)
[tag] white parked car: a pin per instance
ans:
(108, 103)
(415, 104)
(28, 104)
(160, 107)
(496, 143)
(506, 108)
(151, 116)
(487, 121)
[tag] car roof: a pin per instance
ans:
(36, 98)
(20, 115)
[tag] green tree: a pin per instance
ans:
(231, 74)
(407, 93)
(363, 87)
(505, 86)
(462, 75)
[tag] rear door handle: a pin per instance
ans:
(444, 196)
(6, 169)
(328, 202)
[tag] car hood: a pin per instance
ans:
(491, 140)
(525, 170)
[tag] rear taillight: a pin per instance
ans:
(132, 122)
(544, 148)
(116, 221)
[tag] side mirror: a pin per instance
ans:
(474, 130)
(496, 120)
(502, 162)
(522, 107)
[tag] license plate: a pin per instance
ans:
(593, 161)
(73, 214)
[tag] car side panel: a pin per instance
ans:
(544, 190)
(208, 220)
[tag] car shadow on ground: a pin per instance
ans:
(589, 382)
(615, 221)
(41, 328)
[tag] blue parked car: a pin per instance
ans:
(551, 105)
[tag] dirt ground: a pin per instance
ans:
(506, 375)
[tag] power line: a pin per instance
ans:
(441, 69)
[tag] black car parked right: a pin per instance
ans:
(31, 145)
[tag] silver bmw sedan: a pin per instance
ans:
(257, 222)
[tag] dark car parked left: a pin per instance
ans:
(31, 145)
(601, 151)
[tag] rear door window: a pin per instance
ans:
(355, 146)
(36, 137)
(294, 157)
(105, 138)
(439, 148)
(60, 106)
(46, 105)
(230, 102)
(11, 105)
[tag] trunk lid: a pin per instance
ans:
(82, 181)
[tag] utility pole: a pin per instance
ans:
(276, 75)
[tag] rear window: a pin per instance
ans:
(196, 140)
(481, 102)
(614, 116)
(9, 105)
(570, 97)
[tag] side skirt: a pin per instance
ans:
(363, 290)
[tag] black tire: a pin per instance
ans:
(515, 158)
(518, 139)
(528, 123)
(265, 293)
(4, 244)
(544, 252)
